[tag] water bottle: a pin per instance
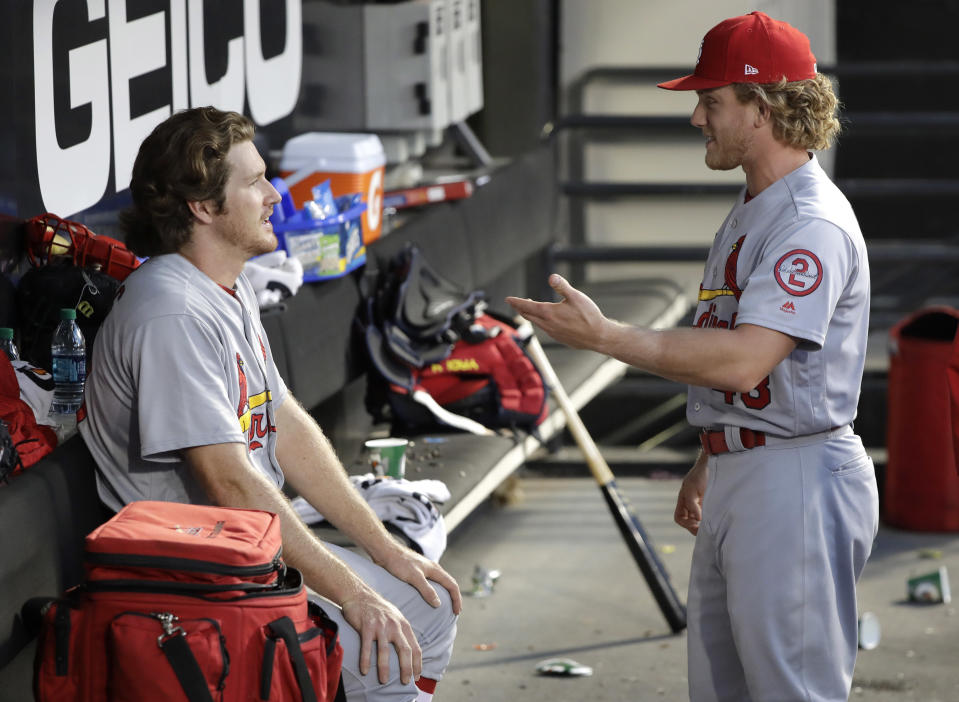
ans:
(69, 354)
(7, 345)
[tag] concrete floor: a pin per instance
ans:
(569, 588)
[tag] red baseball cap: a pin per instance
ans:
(753, 48)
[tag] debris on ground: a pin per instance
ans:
(930, 588)
(870, 632)
(563, 667)
(484, 580)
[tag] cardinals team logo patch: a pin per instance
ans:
(799, 272)
(731, 286)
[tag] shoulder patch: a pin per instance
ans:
(799, 272)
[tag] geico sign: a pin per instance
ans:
(75, 177)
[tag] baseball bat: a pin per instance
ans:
(629, 525)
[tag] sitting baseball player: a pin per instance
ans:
(184, 403)
(783, 498)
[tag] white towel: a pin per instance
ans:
(406, 504)
(36, 389)
(274, 276)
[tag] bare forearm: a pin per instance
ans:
(723, 359)
(693, 356)
(229, 481)
(313, 470)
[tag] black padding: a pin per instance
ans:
(317, 333)
(45, 513)
(442, 234)
(273, 326)
(511, 217)
(16, 677)
(514, 280)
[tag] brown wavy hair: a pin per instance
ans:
(804, 112)
(182, 160)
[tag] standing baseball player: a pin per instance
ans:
(184, 403)
(782, 498)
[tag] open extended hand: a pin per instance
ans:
(575, 321)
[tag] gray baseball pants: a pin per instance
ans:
(435, 631)
(772, 610)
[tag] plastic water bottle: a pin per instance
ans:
(7, 345)
(69, 354)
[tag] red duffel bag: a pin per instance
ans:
(187, 602)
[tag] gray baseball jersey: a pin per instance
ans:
(180, 361)
(791, 259)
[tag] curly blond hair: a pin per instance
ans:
(804, 112)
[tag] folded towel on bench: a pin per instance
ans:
(406, 504)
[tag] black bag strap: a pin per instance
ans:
(187, 670)
(286, 630)
(61, 628)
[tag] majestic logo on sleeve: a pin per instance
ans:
(799, 272)
(255, 424)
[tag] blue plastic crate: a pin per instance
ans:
(329, 247)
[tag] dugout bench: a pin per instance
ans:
(498, 240)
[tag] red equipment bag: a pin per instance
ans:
(427, 339)
(488, 378)
(187, 602)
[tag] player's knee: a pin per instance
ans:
(444, 612)
(437, 623)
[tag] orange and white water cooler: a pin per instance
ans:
(353, 163)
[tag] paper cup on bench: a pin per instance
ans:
(388, 456)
